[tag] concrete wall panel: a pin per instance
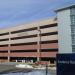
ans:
(44, 38)
(32, 47)
(34, 54)
(34, 32)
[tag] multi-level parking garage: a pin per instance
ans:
(30, 42)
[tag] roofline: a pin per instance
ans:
(33, 22)
(64, 8)
(29, 25)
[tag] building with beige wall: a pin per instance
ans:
(34, 41)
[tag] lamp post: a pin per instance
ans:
(39, 44)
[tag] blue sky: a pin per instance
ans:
(16, 12)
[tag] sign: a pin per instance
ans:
(65, 64)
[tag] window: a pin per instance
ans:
(47, 26)
(50, 33)
(4, 40)
(73, 48)
(73, 27)
(4, 34)
(31, 43)
(23, 37)
(73, 11)
(22, 51)
(73, 19)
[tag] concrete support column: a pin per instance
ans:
(9, 53)
(39, 44)
(9, 48)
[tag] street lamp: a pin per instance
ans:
(39, 44)
(39, 49)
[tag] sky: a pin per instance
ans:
(17, 12)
